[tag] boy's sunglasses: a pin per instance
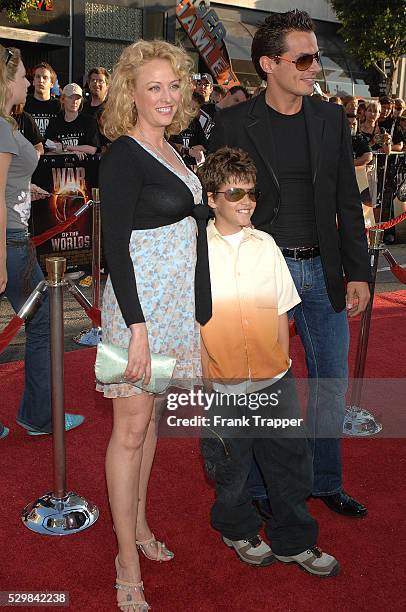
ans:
(235, 194)
(302, 63)
(9, 55)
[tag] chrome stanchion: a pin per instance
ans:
(92, 337)
(58, 512)
(357, 420)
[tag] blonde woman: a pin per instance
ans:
(377, 137)
(19, 269)
(72, 130)
(148, 197)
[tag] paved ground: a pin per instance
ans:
(76, 320)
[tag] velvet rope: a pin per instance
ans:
(389, 224)
(399, 272)
(10, 331)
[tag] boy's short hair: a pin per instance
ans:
(225, 165)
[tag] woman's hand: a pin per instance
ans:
(139, 356)
(37, 193)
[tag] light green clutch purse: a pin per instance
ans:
(111, 363)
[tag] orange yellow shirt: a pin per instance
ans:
(251, 287)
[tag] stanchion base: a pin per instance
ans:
(359, 422)
(51, 516)
(89, 337)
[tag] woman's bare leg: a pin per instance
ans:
(132, 416)
(143, 530)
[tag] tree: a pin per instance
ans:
(375, 32)
(17, 9)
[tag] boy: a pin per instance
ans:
(245, 356)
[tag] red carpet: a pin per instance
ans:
(205, 576)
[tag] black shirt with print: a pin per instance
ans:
(81, 131)
(42, 111)
(28, 128)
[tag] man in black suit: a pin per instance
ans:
(310, 204)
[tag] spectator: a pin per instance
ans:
(205, 86)
(235, 95)
(71, 130)
(385, 119)
(98, 82)
(192, 142)
(41, 105)
(350, 104)
(361, 149)
(19, 270)
(362, 107)
(399, 107)
(28, 127)
(377, 137)
(402, 125)
(217, 94)
(336, 100)
(207, 117)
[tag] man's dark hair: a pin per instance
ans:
(99, 70)
(386, 100)
(236, 88)
(270, 38)
(225, 165)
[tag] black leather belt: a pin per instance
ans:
(302, 252)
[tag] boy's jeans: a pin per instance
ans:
(285, 461)
(325, 338)
(35, 406)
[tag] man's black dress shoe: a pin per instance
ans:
(263, 507)
(344, 504)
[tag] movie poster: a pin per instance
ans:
(69, 181)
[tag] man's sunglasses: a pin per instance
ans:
(302, 63)
(235, 194)
(9, 55)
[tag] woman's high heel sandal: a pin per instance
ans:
(130, 605)
(155, 550)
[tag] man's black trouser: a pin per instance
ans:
(284, 458)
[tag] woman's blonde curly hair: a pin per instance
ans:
(120, 113)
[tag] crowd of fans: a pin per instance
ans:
(68, 120)
(71, 122)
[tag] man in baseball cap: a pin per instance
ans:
(205, 86)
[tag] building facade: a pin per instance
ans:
(75, 35)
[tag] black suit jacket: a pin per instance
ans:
(338, 211)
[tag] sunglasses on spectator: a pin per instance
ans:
(302, 63)
(235, 194)
(8, 56)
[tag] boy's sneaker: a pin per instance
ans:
(253, 551)
(314, 561)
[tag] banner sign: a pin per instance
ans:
(206, 32)
(69, 181)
